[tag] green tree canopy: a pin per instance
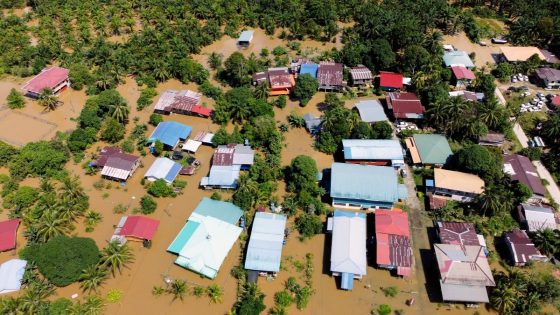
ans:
(306, 87)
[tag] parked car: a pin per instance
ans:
(497, 40)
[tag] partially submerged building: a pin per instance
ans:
(428, 149)
(11, 275)
(184, 102)
(245, 38)
(360, 76)
(365, 187)
(227, 162)
(138, 228)
(390, 81)
(170, 133)
(8, 234)
(405, 106)
(537, 217)
(206, 239)
(115, 164)
(312, 123)
(521, 169)
(373, 152)
(264, 251)
(163, 168)
(453, 185)
(371, 111)
(54, 78)
(394, 245)
(521, 248)
(330, 76)
(457, 58)
(348, 250)
(463, 76)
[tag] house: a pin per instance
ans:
(227, 162)
(548, 77)
(428, 149)
(8, 234)
(169, 133)
(55, 78)
(348, 249)
(468, 95)
(204, 137)
(191, 145)
(371, 111)
(245, 39)
(139, 228)
(11, 275)
(463, 76)
(405, 105)
(392, 235)
(329, 76)
(521, 169)
(457, 58)
(281, 81)
(521, 248)
(520, 54)
(184, 102)
(115, 164)
(163, 168)
(364, 186)
(373, 152)
(549, 57)
(537, 217)
(309, 68)
(464, 273)
(264, 252)
(360, 76)
(452, 185)
(312, 123)
(458, 233)
(493, 139)
(390, 81)
(206, 239)
(259, 78)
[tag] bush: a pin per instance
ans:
(43, 158)
(216, 196)
(390, 291)
(112, 131)
(155, 119)
(281, 101)
(62, 259)
(534, 154)
(160, 188)
(15, 99)
(384, 309)
(309, 225)
(148, 204)
(158, 148)
(306, 87)
(145, 98)
(283, 298)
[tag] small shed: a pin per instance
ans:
(139, 228)
(11, 274)
(312, 123)
(119, 166)
(191, 145)
(360, 75)
(371, 111)
(163, 168)
(245, 38)
(204, 137)
(8, 234)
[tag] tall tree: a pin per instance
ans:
(48, 100)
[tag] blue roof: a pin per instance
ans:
(347, 281)
(163, 168)
(264, 251)
(457, 57)
(225, 211)
(358, 149)
(309, 68)
(349, 214)
(371, 111)
(183, 237)
(364, 182)
(170, 132)
(246, 36)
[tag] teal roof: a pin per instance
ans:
(364, 182)
(225, 211)
(433, 149)
(183, 237)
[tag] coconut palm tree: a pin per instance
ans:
(92, 278)
(491, 201)
(92, 305)
(71, 188)
(261, 91)
(119, 111)
(34, 297)
(116, 256)
(93, 218)
(239, 112)
(177, 288)
(215, 293)
(551, 128)
(215, 60)
(10, 306)
(48, 100)
(491, 114)
(504, 299)
(50, 225)
(547, 242)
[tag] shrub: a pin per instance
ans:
(384, 309)
(62, 259)
(120, 209)
(145, 98)
(283, 298)
(114, 295)
(534, 154)
(390, 291)
(309, 225)
(281, 101)
(306, 87)
(15, 99)
(159, 188)
(158, 148)
(112, 131)
(155, 119)
(148, 204)
(216, 196)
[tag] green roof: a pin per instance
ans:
(225, 211)
(433, 149)
(183, 237)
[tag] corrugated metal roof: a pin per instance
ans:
(8, 234)
(405, 105)
(464, 293)
(457, 57)
(183, 237)
(225, 211)
(539, 218)
(48, 78)
(243, 155)
(461, 73)
(139, 227)
(348, 253)
(463, 265)
(360, 73)
(178, 100)
(330, 74)
(163, 168)
(390, 80)
(521, 169)
(264, 251)
(358, 149)
(11, 274)
(371, 111)
(372, 183)
(461, 233)
(309, 68)
(433, 149)
(115, 172)
(223, 175)
(170, 132)
(246, 36)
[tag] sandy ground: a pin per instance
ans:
(483, 54)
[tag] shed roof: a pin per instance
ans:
(364, 182)
(348, 253)
(330, 74)
(225, 211)
(246, 36)
(264, 251)
(8, 234)
(204, 137)
(222, 175)
(457, 57)
(464, 293)
(243, 155)
(358, 149)
(11, 274)
(391, 80)
(467, 95)
(521, 169)
(105, 153)
(432, 148)
(121, 161)
(48, 78)
(309, 68)
(539, 217)
(463, 265)
(521, 246)
(405, 105)
(548, 74)
(163, 168)
(458, 181)
(170, 132)
(517, 53)
(549, 57)
(360, 72)
(371, 111)
(462, 73)
(139, 227)
(191, 145)
(280, 78)
(458, 233)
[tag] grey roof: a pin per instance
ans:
(548, 74)
(225, 175)
(264, 251)
(246, 36)
(312, 123)
(357, 149)
(243, 155)
(539, 218)
(371, 111)
(464, 293)
(457, 57)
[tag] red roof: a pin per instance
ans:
(202, 111)
(8, 234)
(139, 227)
(48, 78)
(462, 73)
(391, 80)
(393, 222)
(556, 100)
(405, 105)
(392, 234)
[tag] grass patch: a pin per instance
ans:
(490, 26)
(528, 120)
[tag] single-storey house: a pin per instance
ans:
(348, 250)
(537, 217)
(373, 152)
(11, 275)
(115, 164)
(392, 235)
(468, 95)
(453, 185)
(464, 273)
(210, 233)
(428, 149)
(280, 81)
(457, 58)
(163, 168)
(360, 76)
(405, 105)
(458, 233)
(312, 123)
(521, 248)
(390, 81)
(185, 102)
(463, 76)
(55, 78)
(8, 234)
(520, 54)
(521, 169)
(493, 139)
(309, 68)
(245, 39)
(139, 228)
(549, 57)
(227, 162)
(365, 186)
(329, 76)
(264, 251)
(548, 77)
(169, 133)
(371, 111)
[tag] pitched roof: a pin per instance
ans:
(458, 181)
(170, 132)
(391, 80)
(492, 138)
(513, 54)
(394, 222)
(549, 57)
(178, 100)
(463, 265)
(462, 73)
(458, 233)
(393, 244)
(243, 154)
(48, 78)
(246, 36)
(163, 168)
(104, 154)
(360, 72)
(521, 246)
(539, 217)
(330, 74)
(140, 227)
(264, 251)
(405, 105)
(548, 74)
(371, 111)
(121, 161)
(364, 182)
(224, 211)
(280, 78)
(8, 234)
(309, 68)
(11, 274)
(464, 293)
(467, 95)
(521, 169)
(348, 253)
(312, 123)
(432, 148)
(457, 57)
(358, 149)
(555, 100)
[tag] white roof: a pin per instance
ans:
(539, 218)
(348, 253)
(115, 172)
(168, 98)
(264, 252)
(243, 155)
(362, 149)
(11, 273)
(464, 293)
(191, 146)
(161, 169)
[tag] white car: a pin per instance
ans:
(525, 78)
(514, 80)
